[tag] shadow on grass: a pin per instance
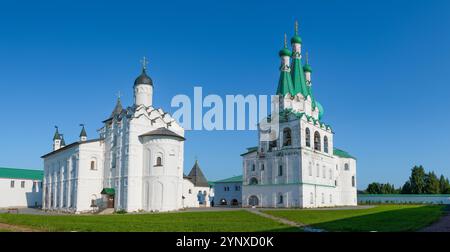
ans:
(398, 220)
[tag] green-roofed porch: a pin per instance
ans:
(15, 173)
(108, 191)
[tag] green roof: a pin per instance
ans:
(230, 180)
(298, 78)
(250, 150)
(15, 173)
(108, 191)
(285, 85)
(285, 52)
(341, 153)
(307, 68)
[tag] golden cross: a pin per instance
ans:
(307, 59)
(118, 94)
(285, 40)
(296, 27)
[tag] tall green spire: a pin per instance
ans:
(307, 68)
(298, 76)
(285, 85)
(56, 136)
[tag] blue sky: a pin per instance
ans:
(381, 71)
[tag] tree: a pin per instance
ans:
(417, 180)
(374, 188)
(406, 188)
(444, 185)
(432, 185)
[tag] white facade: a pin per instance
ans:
(20, 192)
(137, 162)
(301, 168)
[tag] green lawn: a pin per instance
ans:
(383, 218)
(232, 221)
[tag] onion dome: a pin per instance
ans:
(296, 40)
(321, 111)
(307, 68)
(285, 52)
(143, 79)
(56, 136)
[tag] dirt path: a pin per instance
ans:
(442, 225)
(14, 228)
(301, 226)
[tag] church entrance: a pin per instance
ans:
(110, 201)
(253, 201)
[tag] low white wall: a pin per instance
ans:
(28, 196)
(404, 198)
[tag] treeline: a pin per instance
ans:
(419, 182)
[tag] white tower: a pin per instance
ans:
(143, 87)
(56, 139)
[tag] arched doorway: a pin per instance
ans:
(253, 200)
(234, 202)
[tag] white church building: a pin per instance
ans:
(301, 168)
(135, 164)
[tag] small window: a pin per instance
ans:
(346, 167)
(237, 188)
(253, 167)
(93, 165)
(22, 184)
(253, 181)
(325, 144)
(311, 198)
(262, 167)
(190, 191)
(280, 199)
(353, 181)
(280, 170)
(324, 173)
(158, 161)
(310, 169)
(318, 170)
(335, 182)
(323, 198)
(12, 184)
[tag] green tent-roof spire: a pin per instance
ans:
(56, 136)
(285, 85)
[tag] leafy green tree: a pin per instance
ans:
(417, 180)
(432, 185)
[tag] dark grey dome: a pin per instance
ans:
(143, 79)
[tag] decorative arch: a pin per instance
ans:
(253, 200)
(253, 181)
(308, 137)
(325, 144)
(287, 137)
(317, 141)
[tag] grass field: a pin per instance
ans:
(232, 221)
(380, 218)
(383, 218)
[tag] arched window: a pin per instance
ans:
(287, 140)
(316, 141)
(93, 165)
(253, 167)
(325, 144)
(308, 137)
(223, 202)
(253, 200)
(346, 167)
(253, 181)
(353, 181)
(272, 144)
(280, 170)
(280, 199)
(158, 161)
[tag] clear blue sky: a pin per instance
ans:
(381, 71)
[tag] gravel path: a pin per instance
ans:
(442, 225)
(301, 226)
(14, 228)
